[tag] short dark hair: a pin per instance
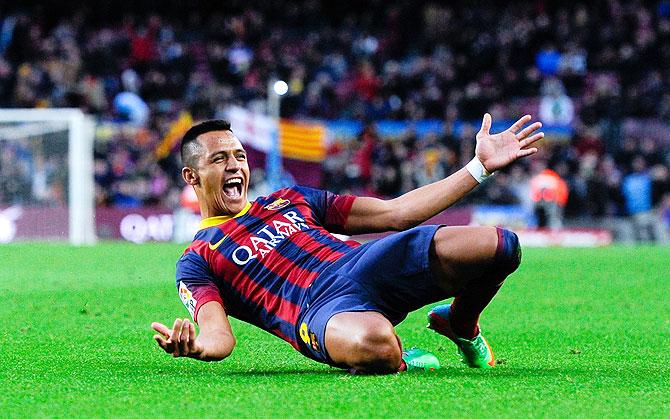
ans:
(189, 146)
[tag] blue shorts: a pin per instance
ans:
(391, 276)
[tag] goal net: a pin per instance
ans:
(46, 175)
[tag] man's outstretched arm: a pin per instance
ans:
(214, 343)
(494, 151)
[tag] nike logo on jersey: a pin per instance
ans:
(217, 244)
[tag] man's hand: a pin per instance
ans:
(178, 341)
(496, 151)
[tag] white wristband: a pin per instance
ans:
(477, 170)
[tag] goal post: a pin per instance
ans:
(81, 187)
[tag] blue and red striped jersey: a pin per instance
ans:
(259, 263)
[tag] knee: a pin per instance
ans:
(508, 252)
(376, 351)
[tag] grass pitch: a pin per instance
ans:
(577, 333)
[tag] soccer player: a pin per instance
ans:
(275, 264)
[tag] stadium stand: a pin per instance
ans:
(600, 68)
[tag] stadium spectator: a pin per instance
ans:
(556, 107)
(639, 200)
(549, 192)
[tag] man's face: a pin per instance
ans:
(223, 174)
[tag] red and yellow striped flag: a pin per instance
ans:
(302, 141)
(174, 134)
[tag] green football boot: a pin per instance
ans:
(418, 359)
(476, 352)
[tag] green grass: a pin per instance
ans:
(579, 333)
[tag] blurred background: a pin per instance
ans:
(380, 97)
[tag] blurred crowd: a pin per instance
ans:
(600, 185)
(397, 60)
(588, 66)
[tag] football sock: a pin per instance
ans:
(403, 364)
(467, 306)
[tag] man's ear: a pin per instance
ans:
(190, 176)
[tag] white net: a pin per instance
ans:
(33, 164)
(46, 180)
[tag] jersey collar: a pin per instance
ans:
(215, 221)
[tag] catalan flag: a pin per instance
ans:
(302, 141)
(297, 140)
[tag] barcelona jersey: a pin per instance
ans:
(260, 263)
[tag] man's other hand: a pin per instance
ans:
(496, 151)
(179, 341)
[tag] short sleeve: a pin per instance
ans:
(329, 208)
(195, 283)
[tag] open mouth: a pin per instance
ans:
(233, 188)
